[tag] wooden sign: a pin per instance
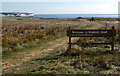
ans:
(92, 33)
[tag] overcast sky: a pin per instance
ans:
(61, 6)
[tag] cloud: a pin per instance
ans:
(62, 7)
(104, 1)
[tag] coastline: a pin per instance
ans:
(69, 16)
(76, 15)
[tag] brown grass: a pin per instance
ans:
(21, 30)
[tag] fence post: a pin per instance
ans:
(69, 39)
(119, 29)
(113, 38)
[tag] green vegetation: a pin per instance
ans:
(87, 62)
(87, 26)
(32, 46)
(80, 60)
(18, 32)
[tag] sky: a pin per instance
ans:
(61, 6)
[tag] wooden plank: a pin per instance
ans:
(92, 30)
(113, 39)
(91, 43)
(90, 33)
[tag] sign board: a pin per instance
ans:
(92, 33)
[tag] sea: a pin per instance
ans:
(76, 15)
(73, 15)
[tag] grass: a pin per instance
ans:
(79, 61)
(13, 42)
(56, 62)
(92, 25)
(35, 45)
(19, 31)
(87, 26)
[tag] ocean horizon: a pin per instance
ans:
(76, 15)
(73, 15)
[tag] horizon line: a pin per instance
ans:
(71, 13)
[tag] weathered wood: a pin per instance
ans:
(119, 30)
(92, 30)
(92, 33)
(91, 43)
(69, 39)
(113, 39)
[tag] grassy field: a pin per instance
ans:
(89, 62)
(18, 32)
(38, 46)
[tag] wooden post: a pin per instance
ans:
(113, 38)
(69, 39)
(119, 30)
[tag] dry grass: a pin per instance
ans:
(18, 31)
(89, 61)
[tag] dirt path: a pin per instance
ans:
(24, 56)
